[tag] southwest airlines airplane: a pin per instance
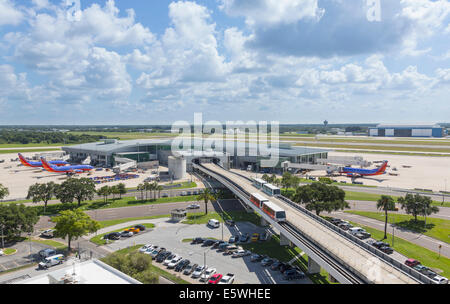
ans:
(355, 172)
(65, 169)
(32, 164)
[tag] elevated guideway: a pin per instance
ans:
(342, 258)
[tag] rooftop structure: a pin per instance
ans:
(89, 272)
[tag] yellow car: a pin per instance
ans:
(134, 230)
(255, 237)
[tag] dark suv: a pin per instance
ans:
(208, 243)
(161, 257)
(182, 265)
(112, 236)
(197, 241)
(293, 274)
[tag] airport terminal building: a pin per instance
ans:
(109, 153)
(408, 131)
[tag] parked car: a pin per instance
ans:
(233, 239)
(257, 258)
(208, 243)
(48, 233)
(198, 240)
(165, 194)
(293, 274)
(182, 265)
(440, 280)
(1, 252)
(215, 278)
(162, 256)
(223, 246)
(386, 249)
(175, 261)
(275, 266)
(412, 263)
(284, 267)
(190, 269)
(132, 229)
(363, 235)
(217, 244)
(231, 249)
(267, 262)
(146, 247)
(379, 244)
(227, 279)
(263, 237)
(169, 259)
(183, 193)
(114, 236)
(244, 238)
(199, 271)
(155, 252)
(345, 226)
(355, 230)
(240, 253)
(207, 274)
(140, 227)
(420, 268)
(45, 253)
(193, 206)
(126, 234)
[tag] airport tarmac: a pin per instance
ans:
(19, 178)
(422, 172)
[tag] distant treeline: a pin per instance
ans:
(38, 137)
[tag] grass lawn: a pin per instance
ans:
(372, 197)
(9, 251)
(116, 203)
(435, 228)
(51, 243)
(12, 151)
(273, 249)
(153, 268)
(427, 257)
(99, 238)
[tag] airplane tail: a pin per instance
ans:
(24, 161)
(382, 169)
(46, 165)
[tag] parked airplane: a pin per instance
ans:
(356, 172)
(66, 169)
(32, 164)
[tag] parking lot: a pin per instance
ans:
(170, 236)
(22, 256)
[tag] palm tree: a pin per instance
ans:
(386, 203)
(141, 188)
(207, 195)
(159, 188)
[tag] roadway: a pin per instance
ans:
(347, 251)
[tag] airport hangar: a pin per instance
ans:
(147, 152)
(431, 130)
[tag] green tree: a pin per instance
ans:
(321, 197)
(114, 191)
(266, 178)
(104, 191)
(74, 224)
(207, 195)
(122, 189)
(42, 193)
(386, 203)
(286, 180)
(141, 189)
(16, 219)
(417, 205)
(81, 189)
(4, 192)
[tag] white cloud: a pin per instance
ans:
(9, 14)
(263, 12)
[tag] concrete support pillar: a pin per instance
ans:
(313, 267)
(284, 241)
(264, 223)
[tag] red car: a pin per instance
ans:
(412, 263)
(215, 278)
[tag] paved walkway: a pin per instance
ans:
(415, 238)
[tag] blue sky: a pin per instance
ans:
(293, 61)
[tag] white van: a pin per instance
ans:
(214, 223)
(51, 261)
(356, 230)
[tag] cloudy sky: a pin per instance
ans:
(158, 61)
